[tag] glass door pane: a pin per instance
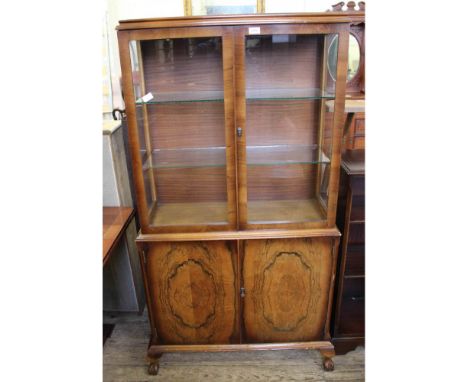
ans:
(288, 83)
(179, 99)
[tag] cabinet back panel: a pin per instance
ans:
(294, 64)
(187, 125)
(183, 64)
(186, 185)
(280, 182)
(282, 122)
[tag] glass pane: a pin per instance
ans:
(287, 87)
(179, 98)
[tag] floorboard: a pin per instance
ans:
(125, 352)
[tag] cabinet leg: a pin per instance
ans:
(153, 366)
(327, 355)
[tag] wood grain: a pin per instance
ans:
(192, 287)
(261, 19)
(114, 222)
(287, 284)
(190, 185)
(186, 214)
(284, 211)
(240, 235)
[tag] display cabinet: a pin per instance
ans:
(236, 158)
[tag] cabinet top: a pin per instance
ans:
(264, 18)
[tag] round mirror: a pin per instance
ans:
(354, 55)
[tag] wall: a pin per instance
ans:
(131, 9)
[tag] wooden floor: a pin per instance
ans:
(125, 350)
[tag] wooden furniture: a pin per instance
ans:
(114, 222)
(348, 312)
(123, 287)
(236, 164)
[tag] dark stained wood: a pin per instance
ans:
(202, 125)
(349, 306)
(319, 345)
(186, 185)
(355, 138)
(192, 288)
(278, 182)
(114, 222)
(286, 289)
(260, 19)
(294, 64)
(282, 122)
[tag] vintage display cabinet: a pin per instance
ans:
(236, 161)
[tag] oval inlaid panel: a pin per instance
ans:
(286, 291)
(192, 293)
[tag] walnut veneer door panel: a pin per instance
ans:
(287, 284)
(192, 287)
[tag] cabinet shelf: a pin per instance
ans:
(191, 213)
(287, 94)
(284, 211)
(251, 95)
(216, 156)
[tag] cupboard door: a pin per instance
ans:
(287, 285)
(288, 80)
(181, 118)
(192, 287)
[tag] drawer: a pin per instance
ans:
(359, 143)
(355, 260)
(358, 208)
(359, 124)
(352, 314)
(356, 233)
(357, 183)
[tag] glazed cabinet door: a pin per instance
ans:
(192, 292)
(287, 288)
(179, 96)
(290, 83)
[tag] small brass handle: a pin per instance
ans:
(242, 292)
(239, 132)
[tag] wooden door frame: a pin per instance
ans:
(227, 35)
(342, 30)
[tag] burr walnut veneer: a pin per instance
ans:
(236, 161)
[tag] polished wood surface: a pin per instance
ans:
(193, 292)
(284, 211)
(230, 20)
(286, 282)
(238, 254)
(349, 307)
(240, 235)
(186, 214)
(114, 222)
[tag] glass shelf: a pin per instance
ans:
(287, 94)
(183, 97)
(251, 95)
(284, 154)
(190, 157)
(216, 156)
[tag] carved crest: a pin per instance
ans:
(351, 6)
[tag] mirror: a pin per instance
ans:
(354, 55)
